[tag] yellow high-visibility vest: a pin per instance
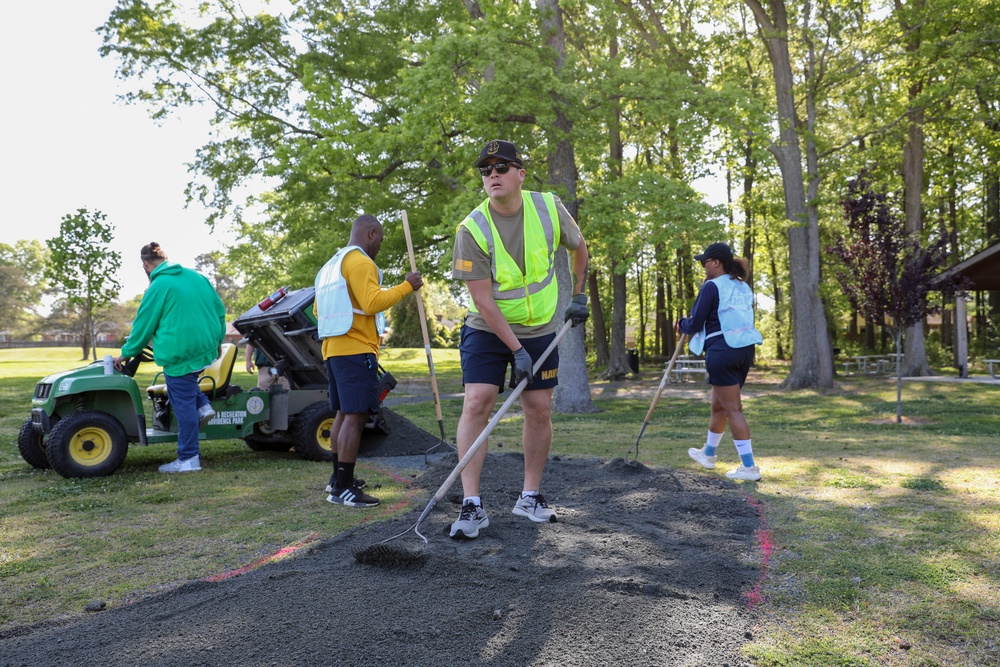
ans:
(527, 298)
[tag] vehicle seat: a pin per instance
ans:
(213, 381)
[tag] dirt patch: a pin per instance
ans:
(404, 438)
(907, 421)
(645, 567)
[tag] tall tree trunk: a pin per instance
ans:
(618, 367)
(779, 299)
(812, 364)
(640, 343)
(597, 318)
(618, 362)
(573, 392)
(749, 232)
(664, 307)
(915, 361)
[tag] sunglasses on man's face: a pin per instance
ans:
(501, 167)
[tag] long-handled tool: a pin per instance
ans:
(427, 338)
(381, 554)
(656, 397)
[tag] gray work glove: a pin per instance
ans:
(577, 309)
(522, 366)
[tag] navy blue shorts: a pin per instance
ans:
(727, 366)
(353, 383)
(485, 359)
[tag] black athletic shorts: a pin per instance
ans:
(727, 366)
(485, 359)
(353, 383)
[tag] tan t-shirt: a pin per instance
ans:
(473, 263)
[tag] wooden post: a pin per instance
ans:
(961, 336)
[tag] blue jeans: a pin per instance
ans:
(185, 399)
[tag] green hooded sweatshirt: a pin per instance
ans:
(183, 317)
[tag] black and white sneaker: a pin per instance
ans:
(359, 483)
(352, 496)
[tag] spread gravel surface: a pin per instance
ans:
(644, 567)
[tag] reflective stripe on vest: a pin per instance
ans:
(334, 310)
(735, 317)
(527, 298)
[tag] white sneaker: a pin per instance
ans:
(751, 474)
(205, 415)
(192, 464)
(470, 520)
(702, 458)
(534, 508)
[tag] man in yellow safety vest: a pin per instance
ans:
(505, 252)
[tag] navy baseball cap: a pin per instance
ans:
(720, 251)
(499, 148)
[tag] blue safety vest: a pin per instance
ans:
(334, 310)
(735, 316)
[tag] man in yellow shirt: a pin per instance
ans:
(349, 306)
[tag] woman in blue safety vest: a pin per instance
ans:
(722, 325)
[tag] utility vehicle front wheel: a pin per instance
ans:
(32, 446)
(87, 444)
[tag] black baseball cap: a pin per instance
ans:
(720, 251)
(499, 148)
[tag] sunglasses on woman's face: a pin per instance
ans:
(501, 167)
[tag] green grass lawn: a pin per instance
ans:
(881, 543)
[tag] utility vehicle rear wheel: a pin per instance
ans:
(312, 432)
(87, 444)
(32, 446)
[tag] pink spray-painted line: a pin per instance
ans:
(284, 552)
(765, 542)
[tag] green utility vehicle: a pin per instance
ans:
(83, 420)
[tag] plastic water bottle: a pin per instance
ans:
(273, 299)
(109, 364)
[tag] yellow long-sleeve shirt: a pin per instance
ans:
(366, 294)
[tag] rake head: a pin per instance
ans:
(383, 555)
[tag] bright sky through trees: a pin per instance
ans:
(69, 143)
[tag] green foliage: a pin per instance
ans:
(83, 268)
(22, 284)
(404, 319)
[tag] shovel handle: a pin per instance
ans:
(423, 323)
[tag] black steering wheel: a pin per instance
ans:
(130, 366)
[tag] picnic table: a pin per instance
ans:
(990, 363)
(872, 364)
(685, 367)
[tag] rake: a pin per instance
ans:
(656, 398)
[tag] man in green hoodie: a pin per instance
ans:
(183, 317)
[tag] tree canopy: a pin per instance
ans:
(620, 106)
